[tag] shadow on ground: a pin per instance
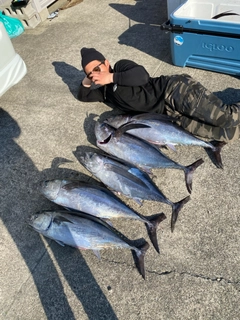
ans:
(144, 32)
(21, 181)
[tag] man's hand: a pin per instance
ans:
(102, 77)
(86, 82)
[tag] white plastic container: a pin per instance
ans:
(207, 9)
(173, 5)
(12, 67)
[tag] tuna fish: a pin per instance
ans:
(127, 179)
(97, 201)
(161, 130)
(138, 152)
(84, 232)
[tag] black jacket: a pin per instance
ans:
(133, 89)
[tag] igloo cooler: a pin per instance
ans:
(206, 35)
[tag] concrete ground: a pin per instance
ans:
(43, 126)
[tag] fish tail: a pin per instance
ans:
(152, 226)
(189, 170)
(140, 257)
(217, 148)
(176, 209)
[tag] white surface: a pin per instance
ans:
(12, 67)
(173, 5)
(205, 9)
(41, 4)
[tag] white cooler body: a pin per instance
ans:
(173, 5)
(12, 67)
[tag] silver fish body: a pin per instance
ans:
(131, 149)
(138, 152)
(121, 177)
(83, 232)
(86, 197)
(97, 201)
(161, 130)
(129, 180)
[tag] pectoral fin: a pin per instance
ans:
(60, 242)
(129, 126)
(171, 146)
(58, 220)
(122, 172)
(97, 254)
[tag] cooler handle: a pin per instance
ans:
(226, 13)
(180, 29)
(171, 27)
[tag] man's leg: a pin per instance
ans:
(188, 97)
(207, 131)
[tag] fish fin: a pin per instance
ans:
(116, 193)
(97, 254)
(189, 170)
(152, 228)
(176, 209)
(160, 146)
(73, 185)
(125, 173)
(218, 145)
(129, 126)
(68, 209)
(147, 170)
(138, 201)
(60, 242)
(135, 171)
(59, 219)
(171, 146)
(121, 161)
(96, 219)
(109, 222)
(140, 253)
(122, 164)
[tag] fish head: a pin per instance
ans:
(91, 161)
(51, 188)
(40, 221)
(118, 121)
(103, 131)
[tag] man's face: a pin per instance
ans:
(95, 66)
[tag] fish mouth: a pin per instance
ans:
(29, 221)
(85, 157)
(106, 140)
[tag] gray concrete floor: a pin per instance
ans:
(196, 276)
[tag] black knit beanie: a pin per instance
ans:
(90, 54)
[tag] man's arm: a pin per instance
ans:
(129, 73)
(125, 73)
(86, 94)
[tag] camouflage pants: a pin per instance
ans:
(200, 111)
